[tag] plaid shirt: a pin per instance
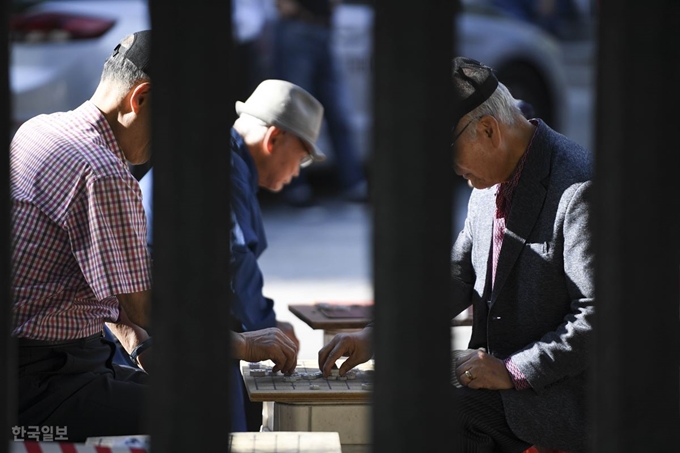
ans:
(78, 226)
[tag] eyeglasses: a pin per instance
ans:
(307, 160)
(462, 130)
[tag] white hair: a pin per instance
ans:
(252, 129)
(501, 105)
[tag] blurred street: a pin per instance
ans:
(323, 253)
(316, 254)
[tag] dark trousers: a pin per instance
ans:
(253, 411)
(482, 427)
(75, 385)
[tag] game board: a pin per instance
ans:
(278, 387)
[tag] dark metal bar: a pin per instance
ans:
(189, 403)
(8, 390)
(637, 399)
(412, 224)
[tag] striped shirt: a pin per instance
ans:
(78, 226)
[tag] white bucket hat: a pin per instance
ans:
(283, 104)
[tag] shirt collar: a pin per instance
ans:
(91, 114)
(506, 190)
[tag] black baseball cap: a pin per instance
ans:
(473, 83)
(136, 48)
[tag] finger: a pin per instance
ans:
(467, 377)
(336, 352)
(474, 384)
(324, 353)
(291, 356)
(285, 359)
(290, 342)
(460, 368)
(293, 361)
(350, 363)
(277, 354)
(290, 364)
(463, 362)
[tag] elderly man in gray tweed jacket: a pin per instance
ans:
(524, 262)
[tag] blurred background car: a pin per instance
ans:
(58, 48)
(526, 58)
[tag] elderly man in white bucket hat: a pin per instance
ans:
(281, 114)
(274, 135)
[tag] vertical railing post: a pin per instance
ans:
(412, 170)
(189, 404)
(637, 377)
(8, 389)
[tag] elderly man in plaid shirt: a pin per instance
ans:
(80, 258)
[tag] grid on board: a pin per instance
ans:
(308, 377)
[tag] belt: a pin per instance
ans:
(29, 343)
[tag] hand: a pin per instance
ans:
(357, 346)
(128, 333)
(144, 360)
(288, 329)
(487, 372)
(138, 307)
(266, 344)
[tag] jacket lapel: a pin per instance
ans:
(526, 205)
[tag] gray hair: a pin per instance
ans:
(122, 73)
(501, 105)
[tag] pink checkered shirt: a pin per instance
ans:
(78, 226)
(504, 194)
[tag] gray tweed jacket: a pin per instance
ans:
(541, 309)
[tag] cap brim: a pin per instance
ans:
(317, 154)
(239, 107)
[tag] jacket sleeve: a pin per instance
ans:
(564, 351)
(249, 305)
(462, 272)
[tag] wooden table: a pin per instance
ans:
(336, 317)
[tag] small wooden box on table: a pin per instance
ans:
(334, 318)
(337, 317)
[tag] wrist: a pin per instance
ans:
(237, 345)
(139, 349)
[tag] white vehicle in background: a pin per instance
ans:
(526, 59)
(58, 48)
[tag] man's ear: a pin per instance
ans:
(271, 138)
(490, 129)
(139, 96)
